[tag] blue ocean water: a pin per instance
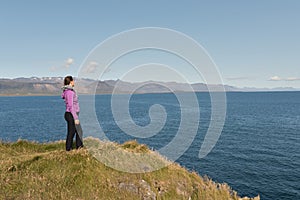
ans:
(258, 151)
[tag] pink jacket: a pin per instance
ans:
(71, 100)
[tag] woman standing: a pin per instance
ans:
(71, 114)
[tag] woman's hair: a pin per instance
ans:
(68, 80)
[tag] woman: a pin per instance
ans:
(71, 114)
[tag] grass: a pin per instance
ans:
(31, 170)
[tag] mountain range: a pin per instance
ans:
(52, 86)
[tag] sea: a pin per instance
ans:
(257, 152)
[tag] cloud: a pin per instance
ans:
(91, 67)
(293, 79)
(69, 62)
(66, 65)
(277, 78)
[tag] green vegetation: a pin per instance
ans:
(31, 170)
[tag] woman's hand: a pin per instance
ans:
(77, 121)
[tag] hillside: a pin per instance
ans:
(52, 86)
(45, 171)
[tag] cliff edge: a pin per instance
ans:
(31, 170)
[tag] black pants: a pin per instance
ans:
(72, 129)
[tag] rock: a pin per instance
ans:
(256, 198)
(129, 187)
(247, 198)
(147, 193)
(143, 189)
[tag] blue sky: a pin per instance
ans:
(254, 43)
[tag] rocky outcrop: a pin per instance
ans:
(142, 188)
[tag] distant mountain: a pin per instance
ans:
(52, 86)
(30, 86)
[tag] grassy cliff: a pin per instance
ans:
(45, 171)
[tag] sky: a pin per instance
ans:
(253, 43)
